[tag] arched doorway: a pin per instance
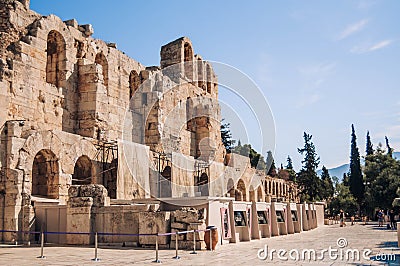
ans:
(134, 83)
(102, 60)
(202, 184)
(165, 183)
(55, 58)
(188, 58)
(259, 194)
(83, 171)
(242, 189)
(45, 175)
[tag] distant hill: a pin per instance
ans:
(340, 170)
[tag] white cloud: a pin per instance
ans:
(365, 48)
(366, 4)
(380, 45)
(353, 28)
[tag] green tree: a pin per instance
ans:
(226, 136)
(389, 149)
(343, 200)
(327, 184)
(290, 170)
(307, 178)
(356, 183)
(384, 186)
(369, 148)
(271, 168)
(256, 160)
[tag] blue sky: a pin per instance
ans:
(322, 65)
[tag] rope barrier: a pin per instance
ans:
(96, 234)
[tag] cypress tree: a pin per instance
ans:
(356, 183)
(309, 182)
(369, 148)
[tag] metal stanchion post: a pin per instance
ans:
(41, 246)
(194, 243)
(210, 240)
(96, 245)
(176, 247)
(157, 260)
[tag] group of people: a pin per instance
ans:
(390, 217)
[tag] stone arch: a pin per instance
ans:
(209, 78)
(45, 174)
(134, 83)
(102, 60)
(166, 178)
(259, 194)
(52, 140)
(56, 57)
(202, 184)
(200, 74)
(83, 171)
(252, 194)
(241, 187)
(188, 59)
(230, 188)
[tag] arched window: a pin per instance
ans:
(45, 175)
(56, 56)
(242, 189)
(202, 184)
(83, 171)
(259, 194)
(134, 83)
(188, 58)
(102, 60)
(209, 78)
(165, 183)
(200, 74)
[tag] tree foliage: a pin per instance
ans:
(326, 184)
(356, 183)
(307, 178)
(226, 136)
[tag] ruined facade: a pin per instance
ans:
(76, 111)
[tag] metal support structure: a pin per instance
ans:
(157, 260)
(41, 246)
(194, 243)
(96, 245)
(176, 247)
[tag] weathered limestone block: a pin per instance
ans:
(97, 192)
(153, 223)
(185, 216)
(79, 220)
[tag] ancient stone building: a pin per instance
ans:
(76, 111)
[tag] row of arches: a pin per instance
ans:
(56, 64)
(240, 192)
(46, 174)
(278, 189)
(188, 68)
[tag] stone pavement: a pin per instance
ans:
(361, 237)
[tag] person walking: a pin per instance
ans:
(342, 217)
(380, 218)
(392, 220)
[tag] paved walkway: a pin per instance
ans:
(361, 237)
